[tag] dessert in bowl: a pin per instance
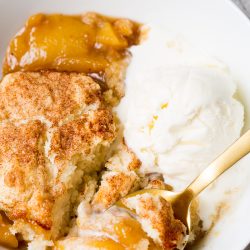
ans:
(75, 139)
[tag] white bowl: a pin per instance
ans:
(216, 26)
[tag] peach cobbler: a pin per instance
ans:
(63, 159)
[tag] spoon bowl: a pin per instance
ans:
(181, 202)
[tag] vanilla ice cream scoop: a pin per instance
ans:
(178, 117)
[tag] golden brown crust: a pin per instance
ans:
(52, 95)
(24, 191)
(135, 164)
(114, 186)
(120, 179)
(123, 160)
(158, 212)
(79, 136)
(49, 122)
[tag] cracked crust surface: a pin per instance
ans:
(51, 124)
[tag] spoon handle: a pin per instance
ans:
(226, 160)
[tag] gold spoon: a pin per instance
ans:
(181, 201)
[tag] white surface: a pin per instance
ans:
(200, 117)
(215, 26)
